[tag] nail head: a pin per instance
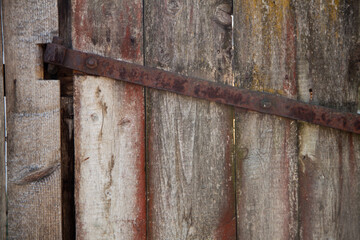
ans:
(91, 63)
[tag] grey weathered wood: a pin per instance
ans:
(329, 160)
(2, 151)
(266, 146)
(33, 118)
(109, 125)
(190, 168)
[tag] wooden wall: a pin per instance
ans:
(155, 165)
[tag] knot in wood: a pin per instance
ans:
(223, 15)
(173, 7)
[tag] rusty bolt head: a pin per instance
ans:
(91, 63)
(265, 104)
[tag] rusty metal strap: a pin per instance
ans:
(240, 98)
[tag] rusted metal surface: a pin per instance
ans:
(154, 78)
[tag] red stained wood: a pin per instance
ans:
(327, 34)
(109, 125)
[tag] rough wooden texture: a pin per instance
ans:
(190, 168)
(266, 146)
(109, 125)
(2, 151)
(329, 160)
(33, 118)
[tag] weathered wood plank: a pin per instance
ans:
(2, 151)
(266, 146)
(329, 160)
(33, 118)
(109, 125)
(190, 166)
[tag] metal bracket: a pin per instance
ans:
(162, 80)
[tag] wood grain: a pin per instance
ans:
(33, 118)
(329, 160)
(2, 151)
(190, 166)
(109, 125)
(266, 146)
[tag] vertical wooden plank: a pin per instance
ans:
(266, 146)
(33, 118)
(2, 149)
(109, 125)
(329, 160)
(190, 167)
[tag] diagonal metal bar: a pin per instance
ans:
(162, 80)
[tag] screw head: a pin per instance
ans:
(91, 63)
